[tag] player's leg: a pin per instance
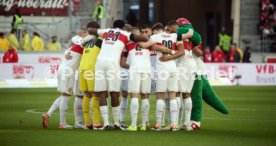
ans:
(68, 81)
(78, 113)
(134, 89)
(96, 111)
(48, 114)
(145, 107)
(124, 101)
(188, 101)
(179, 112)
(114, 84)
(55, 105)
(86, 99)
(161, 87)
(63, 108)
(101, 89)
(173, 89)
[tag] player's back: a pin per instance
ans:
(168, 40)
(114, 41)
(90, 54)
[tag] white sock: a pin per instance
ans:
(181, 111)
(116, 115)
(105, 116)
(148, 111)
(160, 107)
(188, 110)
(123, 108)
(134, 107)
(63, 108)
(54, 106)
(167, 103)
(145, 111)
(78, 111)
(178, 100)
(173, 112)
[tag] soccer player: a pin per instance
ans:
(147, 32)
(66, 80)
(87, 71)
(139, 79)
(187, 71)
(166, 74)
(124, 86)
(107, 77)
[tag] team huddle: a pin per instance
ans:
(122, 61)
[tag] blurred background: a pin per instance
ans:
(35, 33)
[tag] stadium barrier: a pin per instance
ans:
(40, 70)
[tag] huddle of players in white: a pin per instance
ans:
(135, 51)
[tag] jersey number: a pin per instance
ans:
(168, 44)
(112, 36)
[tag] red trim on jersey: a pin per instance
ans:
(186, 45)
(105, 35)
(77, 49)
(123, 38)
(130, 46)
(174, 46)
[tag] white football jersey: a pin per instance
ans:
(139, 58)
(187, 58)
(75, 52)
(113, 44)
(170, 41)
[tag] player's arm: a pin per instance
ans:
(162, 49)
(175, 55)
(138, 38)
(146, 44)
(123, 63)
(197, 51)
(187, 35)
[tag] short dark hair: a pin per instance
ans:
(36, 34)
(119, 24)
(13, 31)
(128, 27)
(157, 26)
(172, 22)
(145, 26)
(1, 33)
(54, 37)
(92, 24)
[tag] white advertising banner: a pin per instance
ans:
(28, 75)
(223, 74)
(241, 73)
(34, 58)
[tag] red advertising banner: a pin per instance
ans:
(35, 7)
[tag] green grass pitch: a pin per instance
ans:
(252, 121)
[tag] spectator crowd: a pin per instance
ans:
(226, 51)
(267, 19)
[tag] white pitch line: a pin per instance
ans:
(206, 118)
(243, 109)
(240, 119)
